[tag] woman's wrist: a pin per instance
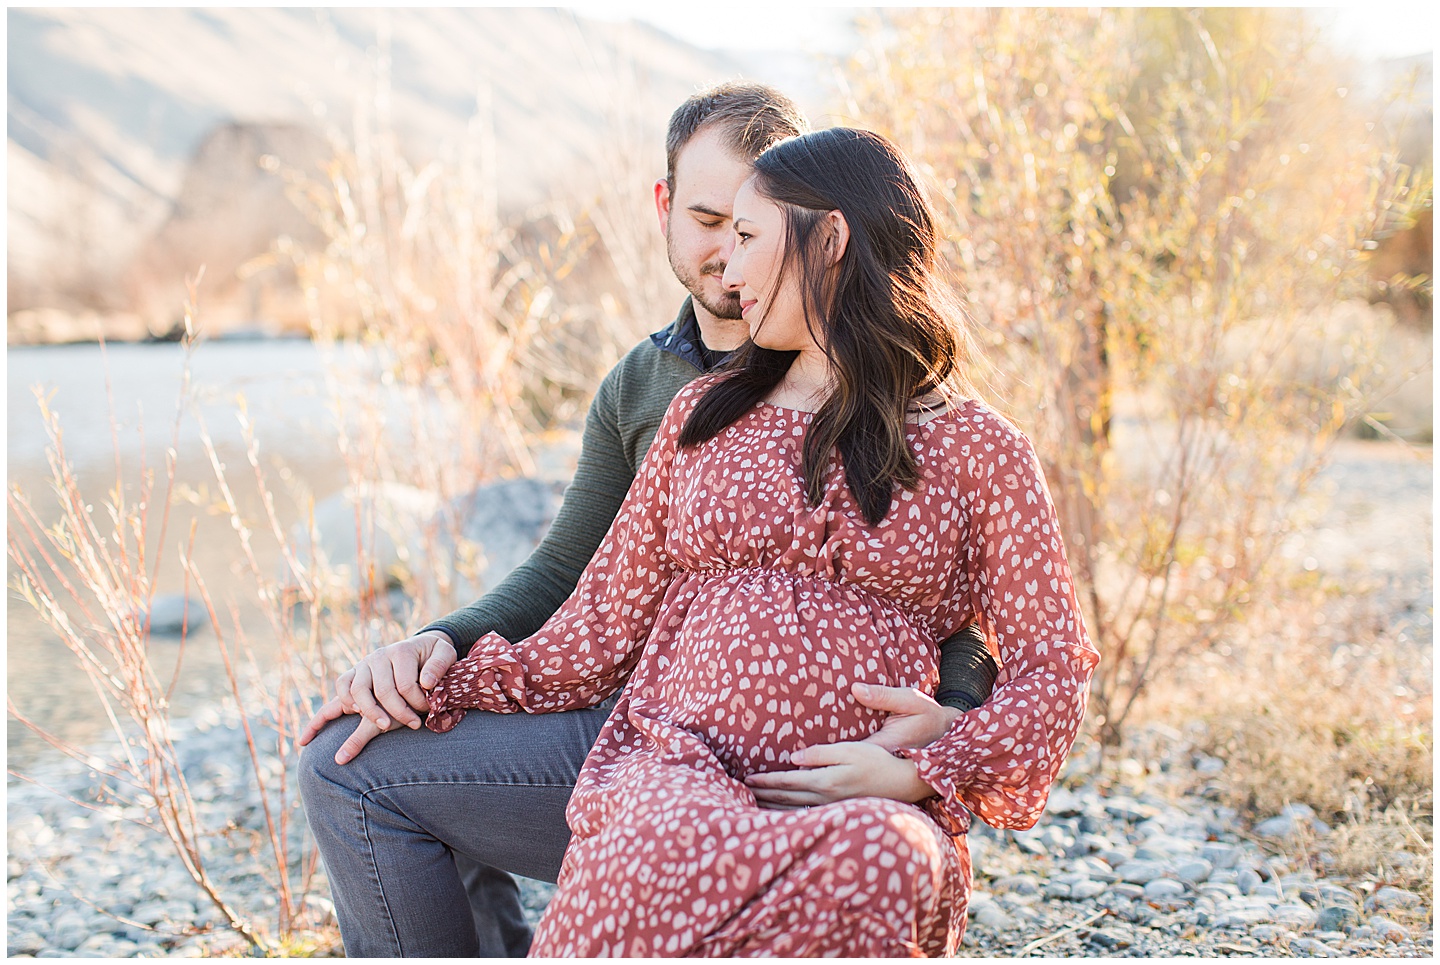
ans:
(908, 785)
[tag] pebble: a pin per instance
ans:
(1193, 870)
(1389, 898)
(1336, 918)
(1293, 819)
(1162, 888)
(1385, 930)
(1220, 854)
(1298, 916)
(1338, 895)
(1020, 884)
(1313, 948)
(1271, 934)
(1139, 872)
(993, 917)
(1110, 938)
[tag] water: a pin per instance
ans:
(283, 387)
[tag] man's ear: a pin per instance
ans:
(662, 204)
(837, 236)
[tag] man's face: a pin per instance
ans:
(696, 220)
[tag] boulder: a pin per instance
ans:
(485, 534)
(173, 615)
(363, 535)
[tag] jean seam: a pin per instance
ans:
(375, 789)
(375, 870)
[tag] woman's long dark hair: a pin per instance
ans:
(886, 324)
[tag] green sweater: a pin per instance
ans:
(619, 428)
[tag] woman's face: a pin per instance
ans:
(774, 313)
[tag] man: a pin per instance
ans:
(421, 833)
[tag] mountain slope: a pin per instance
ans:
(107, 108)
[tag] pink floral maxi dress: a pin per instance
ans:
(741, 616)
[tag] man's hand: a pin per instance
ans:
(387, 687)
(355, 743)
(834, 772)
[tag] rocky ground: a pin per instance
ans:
(1113, 873)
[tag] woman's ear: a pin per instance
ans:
(837, 236)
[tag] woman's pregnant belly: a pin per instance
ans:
(762, 663)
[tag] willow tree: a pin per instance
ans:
(1155, 214)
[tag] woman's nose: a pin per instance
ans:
(733, 279)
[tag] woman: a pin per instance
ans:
(829, 481)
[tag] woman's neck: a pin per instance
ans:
(807, 384)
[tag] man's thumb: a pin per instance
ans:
(433, 670)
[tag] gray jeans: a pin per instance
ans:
(421, 832)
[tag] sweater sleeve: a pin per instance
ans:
(1000, 759)
(536, 588)
(586, 650)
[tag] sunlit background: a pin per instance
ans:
(353, 267)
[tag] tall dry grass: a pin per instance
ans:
(93, 580)
(1163, 220)
(457, 338)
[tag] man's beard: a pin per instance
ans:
(728, 305)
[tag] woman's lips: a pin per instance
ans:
(746, 305)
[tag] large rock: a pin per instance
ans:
(486, 534)
(363, 537)
(174, 614)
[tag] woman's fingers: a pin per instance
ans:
(777, 798)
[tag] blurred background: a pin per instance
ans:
(309, 281)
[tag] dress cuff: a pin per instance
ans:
(442, 717)
(945, 807)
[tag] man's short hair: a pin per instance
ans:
(749, 116)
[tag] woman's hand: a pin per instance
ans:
(913, 718)
(835, 772)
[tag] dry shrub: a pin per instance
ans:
(1153, 212)
(1318, 699)
(460, 334)
(93, 578)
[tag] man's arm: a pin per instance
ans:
(967, 671)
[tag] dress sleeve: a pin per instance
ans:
(584, 652)
(1000, 759)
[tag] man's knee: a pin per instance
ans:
(319, 776)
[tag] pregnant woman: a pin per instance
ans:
(830, 488)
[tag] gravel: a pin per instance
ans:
(1172, 875)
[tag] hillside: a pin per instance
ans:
(119, 120)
